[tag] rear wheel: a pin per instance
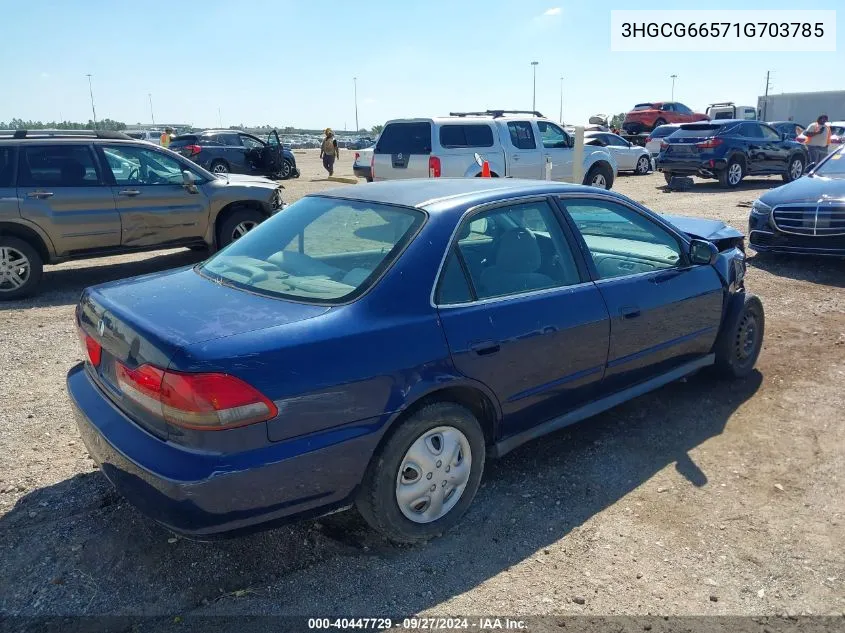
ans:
(599, 175)
(238, 224)
(425, 476)
(643, 165)
(739, 343)
(220, 167)
(795, 169)
(20, 268)
(733, 174)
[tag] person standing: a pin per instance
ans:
(818, 138)
(329, 151)
(166, 137)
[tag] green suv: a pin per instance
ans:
(75, 195)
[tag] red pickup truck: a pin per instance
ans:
(647, 116)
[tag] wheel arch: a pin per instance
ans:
(32, 235)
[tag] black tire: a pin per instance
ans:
(18, 249)
(792, 172)
(219, 167)
(377, 500)
(286, 170)
(727, 177)
(668, 176)
(740, 340)
(602, 169)
(226, 229)
(639, 170)
(658, 123)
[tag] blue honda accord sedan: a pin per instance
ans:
(374, 346)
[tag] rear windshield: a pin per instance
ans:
(184, 138)
(454, 136)
(693, 130)
(320, 250)
(405, 138)
(663, 130)
(644, 106)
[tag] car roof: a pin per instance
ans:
(470, 119)
(443, 194)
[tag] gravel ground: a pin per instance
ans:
(702, 498)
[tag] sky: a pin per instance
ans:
(292, 62)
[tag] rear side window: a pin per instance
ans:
(57, 166)
(7, 166)
(522, 136)
(456, 136)
(405, 138)
(644, 106)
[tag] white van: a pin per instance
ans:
(727, 110)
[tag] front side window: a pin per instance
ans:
(515, 249)
(251, 143)
(57, 166)
(680, 107)
(522, 136)
(320, 250)
(620, 240)
(132, 165)
(457, 136)
(553, 137)
(769, 134)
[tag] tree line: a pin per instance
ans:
(20, 124)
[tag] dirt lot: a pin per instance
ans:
(702, 498)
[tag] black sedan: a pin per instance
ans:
(232, 151)
(806, 216)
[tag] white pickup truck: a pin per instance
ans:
(516, 144)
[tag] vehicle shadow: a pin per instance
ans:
(713, 187)
(62, 285)
(826, 271)
(97, 555)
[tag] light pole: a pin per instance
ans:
(355, 90)
(673, 78)
(152, 116)
(91, 92)
(534, 98)
(561, 100)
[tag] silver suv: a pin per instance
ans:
(515, 143)
(75, 195)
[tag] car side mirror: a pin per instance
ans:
(703, 252)
(188, 181)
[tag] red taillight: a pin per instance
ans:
(92, 348)
(663, 145)
(709, 143)
(193, 150)
(648, 139)
(206, 402)
(433, 167)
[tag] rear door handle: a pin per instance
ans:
(129, 192)
(41, 195)
(485, 348)
(629, 312)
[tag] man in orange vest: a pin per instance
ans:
(818, 138)
(166, 137)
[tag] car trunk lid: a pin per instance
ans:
(685, 142)
(403, 151)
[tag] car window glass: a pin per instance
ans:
(750, 130)
(552, 136)
(617, 141)
(320, 249)
(453, 136)
(620, 240)
(680, 107)
(453, 286)
(6, 166)
(57, 166)
(228, 139)
(133, 165)
(522, 249)
(251, 143)
(522, 136)
(768, 133)
(405, 138)
(667, 107)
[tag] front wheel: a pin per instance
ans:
(643, 165)
(20, 268)
(287, 168)
(795, 169)
(426, 475)
(599, 175)
(237, 225)
(741, 339)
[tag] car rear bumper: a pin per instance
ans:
(769, 241)
(202, 494)
(706, 168)
(362, 172)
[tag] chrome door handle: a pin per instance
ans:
(40, 194)
(129, 192)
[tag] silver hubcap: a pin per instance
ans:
(285, 168)
(796, 170)
(735, 174)
(220, 168)
(433, 474)
(599, 181)
(14, 269)
(642, 166)
(243, 228)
